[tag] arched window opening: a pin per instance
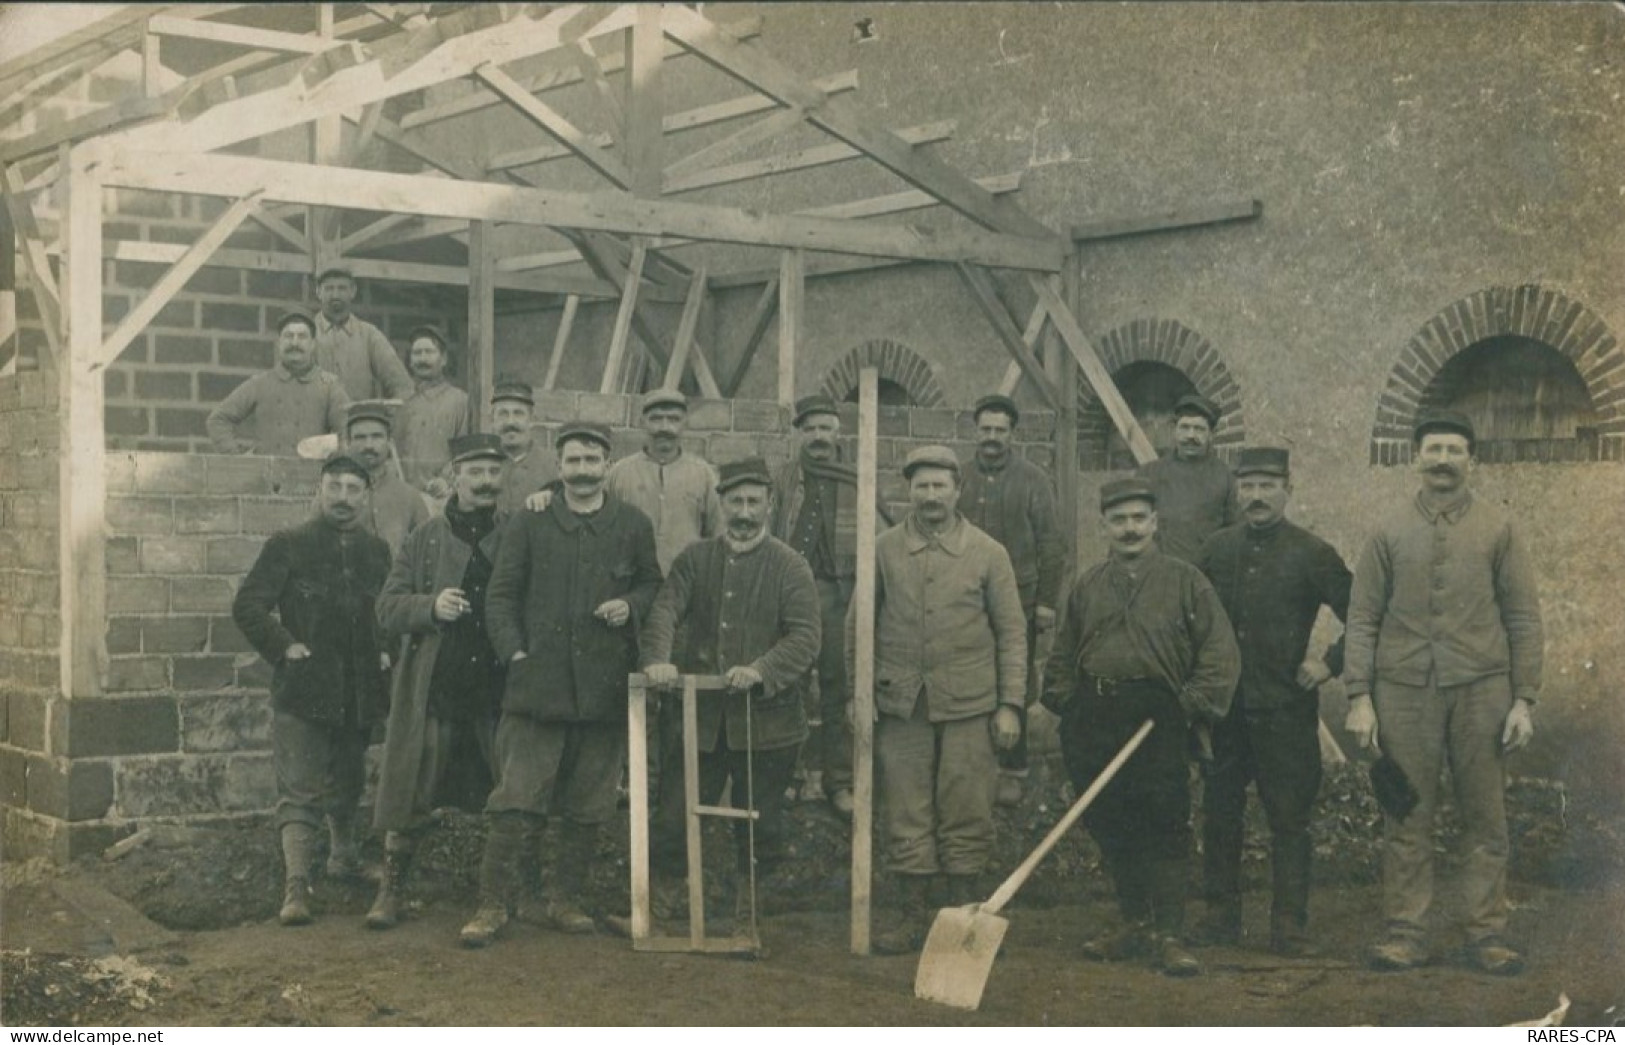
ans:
(1523, 396)
(890, 394)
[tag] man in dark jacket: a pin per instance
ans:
(570, 585)
(443, 707)
(751, 613)
(1273, 578)
(320, 578)
(1196, 494)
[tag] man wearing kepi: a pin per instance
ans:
(530, 461)
(1196, 494)
(674, 488)
(1273, 578)
(1011, 500)
(950, 678)
(1444, 662)
(306, 606)
(443, 707)
(1143, 637)
(570, 586)
(751, 614)
(394, 509)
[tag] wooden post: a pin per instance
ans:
(637, 783)
(623, 318)
(792, 268)
(561, 339)
(644, 133)
(863, 681)
(322, 223)
(1066, 423)
(481, 321)
(685, 331)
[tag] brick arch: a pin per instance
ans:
(1172, 344)
(895, 361)
(1531, 311)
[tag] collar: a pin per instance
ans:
(952, 541)
(327, 324)
(1450, 511)
(1265, 533)
(737, 549)
(570, 521)
(284, 374)
(434, 389)
(987, 467)
(658, 463)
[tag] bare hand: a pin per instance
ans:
(1044, 618)
(538, 501)
(1312, 672)
(437, 488)
(517, 657)
(1519, 728)
(615, 612)
(243, 446)
(383, 662)
(744, 678)
(1362, 722)
(1006, 727)
(662, 676)
(450, 604)
(298, 651)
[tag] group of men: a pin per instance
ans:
(496, 636)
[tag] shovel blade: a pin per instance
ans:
(958, 956)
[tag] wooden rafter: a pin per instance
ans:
(800, 159)
(35, 260)
(561, 340)
(683, 346)
(549, 119)
(644, 132)
(986, 297)
(592, 71)
(761, 315)
(624, 315)
(1219, 212)
(239, 35)
(1029, 337)
(764, 129)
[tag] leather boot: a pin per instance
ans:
(385, 912)
(298, 852)
(564, 910)
(1289, 913)
(910, 920)
(343, 855)
(499, 868)
(1169, 884)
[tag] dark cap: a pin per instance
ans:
(1002, 403)
(1266, 460)
(295, 315)
(1119, 490)
(476, 444)
(1443, 421)
(930, 457)
(664, 397)
(584, 430)
(429, 330)
(338, 461)
(334, 272)
(369, 410)
(1200, 405)
(509, 389)
(750, 470)
(806, 406)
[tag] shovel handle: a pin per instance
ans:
(1005, 892)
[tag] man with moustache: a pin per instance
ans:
(1143, 637)
(1011, 500)
(568, 584)
(950, 680)
(816, 514)
(443, 707)
(306, 606)
(291, 401)
(1444, 663)
(435, 413)
(1196, 494)
(394, 509)
(530, 463)
(1273, 578)
(747, 608)
(674, 488)
(350, 348)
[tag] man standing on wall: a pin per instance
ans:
(291, 401)
(435, 413)
(1011, 500)
(530, 462)
(1196, 494)
(394, 509)
(352, 349)
(443, 706)
(1143, 637)
(1273, 578)
(569, 585)
(1444, 663)
(306, 606)
(950, 680)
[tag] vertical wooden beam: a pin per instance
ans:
(623, 318)
(81, 477)
(644, 132)
(767, 303)
(35, 259)
(325, 139)
(482, 273)
(1066, 424)
(792, 291)
(151, 64)
(561, 340)
(863, 679)
(685, 332)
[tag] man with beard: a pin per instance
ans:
(816, 514)
(530, 464)
(950, 678)
(751, 613)
(352, 349)
(435, 414)
(443, 708)
(1144, 637)
(675, 489)
(1196, 494)
(1011, 500)
(568, 584)
(1273, 578)
(395, 509)
(289, 402)
(1444, 662)
(320, 579)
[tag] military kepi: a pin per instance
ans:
(664, 397)
(1002, 403)
(1201, 405)
(1443, 421)
(584, 430)
(807, 406)
(517, 390)
(476, 444)
(1262, 460)
(369, 410)
(930, 457)
(339, 462)
(750, 470)
(1119, 490)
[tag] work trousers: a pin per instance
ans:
(1278, 749)
(568, 769)
(1421, 727)
(320, 769)
(936, 786)
(768, 777)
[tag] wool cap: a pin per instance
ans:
(429, 330)
(1201, 405)
(807, 406)
(1002, 403)
(1443, 421)
(335, 272)
(584, 430)
(295, 315)
(750, 470)
(930, 457)
(475, 444)
(664, 397)
(1119, 490)
(339, 462)
(1265, 460)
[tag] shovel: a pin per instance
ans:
(959, 953)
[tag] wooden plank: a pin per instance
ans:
(764, 129)
(602, 254)
(1094, 371)
(910, 199)
(767, 303)
(239, 35)
(152, 65)
(798, 160)
(171, 282)
(350, 243)
(792, 293)
(561, 340)
(592, 71)
(481, 322)
(1216, 213)
(637, 783)
(549, 120)
(365, 132)
(1066, 428)
(35, 260)
(863, 681)
(286, 232)
(90, 125)
(1029, 337)
(114, 31)
(815, 267)
(980, 284)
(623, 319)
(644, 130)
(219, 175)
(691, 801)
(686, 326)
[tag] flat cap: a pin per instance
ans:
(1119, 490)
(1002, 403)
(664, 397)
(1194, 403)
(369, 410)
(339, 462)
(429, 330)
(295, 315)
(806, 406)
(930, 457)
(475, 444)
(750, 470)
(334, 272)
(1443, 421)
(508, 389)
(584, 430)
(1264, 460)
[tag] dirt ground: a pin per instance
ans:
(181, 931)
